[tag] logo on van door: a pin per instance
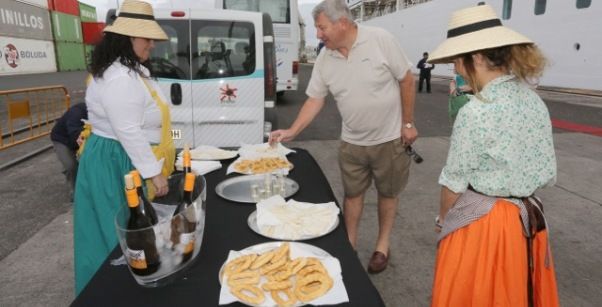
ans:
(227, 94)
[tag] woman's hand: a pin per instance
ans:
(160, 183)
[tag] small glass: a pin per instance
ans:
(255, 192)
(276, 188)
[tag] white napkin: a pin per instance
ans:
(200, 167)
(264, 150)
(295, 220)
(336, 295)
(206, 152)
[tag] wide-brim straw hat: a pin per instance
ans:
(136, 19)
(472, 29)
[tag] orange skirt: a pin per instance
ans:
(485, 264)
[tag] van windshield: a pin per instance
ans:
(222, 49)
(279, 10)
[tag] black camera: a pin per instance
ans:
(413, 154)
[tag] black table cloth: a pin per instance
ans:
(226, 229)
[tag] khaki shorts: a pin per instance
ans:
(386, 163)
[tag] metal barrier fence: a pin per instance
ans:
(27, 114)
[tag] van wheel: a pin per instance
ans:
(280, 94)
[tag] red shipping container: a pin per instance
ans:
(70, 7)
(92, 32)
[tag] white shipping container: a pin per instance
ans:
(26, 56)
(40, 3)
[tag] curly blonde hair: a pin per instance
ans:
(525, 61)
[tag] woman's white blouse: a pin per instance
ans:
(501, 143)
(120, 107)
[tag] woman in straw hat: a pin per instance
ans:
(493, 244)
(130, 130)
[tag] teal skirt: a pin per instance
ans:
(99, 194)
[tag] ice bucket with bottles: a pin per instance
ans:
(172, 252)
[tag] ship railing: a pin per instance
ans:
(30, 113)
(373, 9)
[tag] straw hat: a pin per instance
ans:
(472, 29)
(136, 19)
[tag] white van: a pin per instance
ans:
(218, 72)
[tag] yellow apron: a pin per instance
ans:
(166, 148)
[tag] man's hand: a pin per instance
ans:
(283, 135)
(408, 135)
(80, 140)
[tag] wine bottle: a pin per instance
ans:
(186, 164)
(147, 207)
(183, 223)
(142, 253)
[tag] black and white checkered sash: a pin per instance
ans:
(471, 206)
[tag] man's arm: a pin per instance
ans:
(308, 112)
(408, 97)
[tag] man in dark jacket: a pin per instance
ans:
(425, 72)
(64, 137)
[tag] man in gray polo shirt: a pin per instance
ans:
(369, 76)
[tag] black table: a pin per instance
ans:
(226, 229)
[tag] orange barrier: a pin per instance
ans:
(29, 113)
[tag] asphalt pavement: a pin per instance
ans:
(36, 249)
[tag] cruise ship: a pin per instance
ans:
(568, 32)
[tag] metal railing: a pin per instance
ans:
(372, 9)
(27, 114)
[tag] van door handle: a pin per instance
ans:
(176, 94)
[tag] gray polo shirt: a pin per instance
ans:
(365, 86)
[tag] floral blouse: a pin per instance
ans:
(501, 142)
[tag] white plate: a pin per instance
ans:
(268, 246)
(252, 222)
(336, 295)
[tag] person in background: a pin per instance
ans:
(64, 137)
(493, 245)
(458, 96)
(425, 73)
(130, 130)
(369, 75)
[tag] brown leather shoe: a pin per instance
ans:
(378, 263)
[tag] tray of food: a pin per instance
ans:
(291, 220)
(282, 274)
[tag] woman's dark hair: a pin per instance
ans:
(114, 46)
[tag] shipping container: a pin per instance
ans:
(88, 53)
(24, 20)
(87, 13)
(39, 3)
(70, 56)
(70, 7)
(66, 28)
(26, 56)
(92, 32)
